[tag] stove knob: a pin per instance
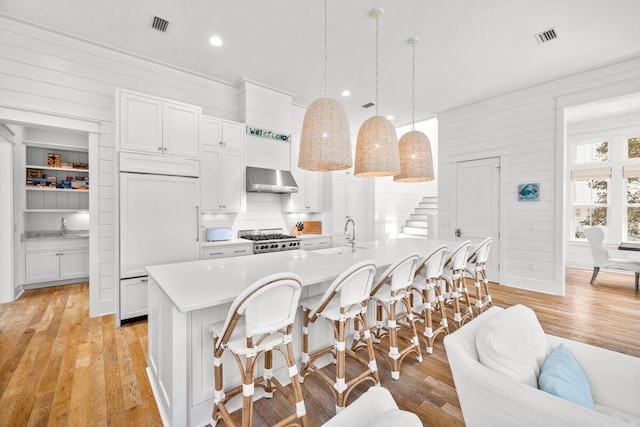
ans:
(284, 246)
(274, 246)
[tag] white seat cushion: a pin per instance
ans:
(513, 343)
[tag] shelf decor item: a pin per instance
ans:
(416, 160)
(34, 173)
(377, 148)
(528, 192)
(325, 141)
(53, 160)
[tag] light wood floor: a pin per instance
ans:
(59, 367)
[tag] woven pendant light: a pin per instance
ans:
(416, 161)
(377, 147)
(325, 142)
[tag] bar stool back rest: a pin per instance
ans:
(480, 255)
(433, 265)
(353, 286)
(399, 275)
(267, 305)
(458, 258)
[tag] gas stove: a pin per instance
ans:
(271, 240)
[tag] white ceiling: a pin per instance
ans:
(469, 49)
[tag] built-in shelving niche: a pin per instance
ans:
(46, 199)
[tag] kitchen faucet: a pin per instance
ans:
(351, 239)
(63, 227)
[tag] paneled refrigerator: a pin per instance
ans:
(159, 224)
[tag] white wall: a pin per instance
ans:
(51, 73)
(6, 214)
(395, 200)
(522, 125)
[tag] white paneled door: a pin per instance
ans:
(477, 206)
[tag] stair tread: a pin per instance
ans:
(415, 230)
(419, 224)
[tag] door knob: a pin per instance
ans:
(458, 232)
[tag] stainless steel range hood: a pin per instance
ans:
(270, 181)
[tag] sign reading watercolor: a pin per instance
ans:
(264, 133)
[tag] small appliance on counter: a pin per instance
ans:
(218, 234)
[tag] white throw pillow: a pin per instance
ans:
(513, 343)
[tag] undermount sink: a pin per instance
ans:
(338, 250)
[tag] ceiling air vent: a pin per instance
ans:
(547, 36)
(368, 104)
(159, 24)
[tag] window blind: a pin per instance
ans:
(631, 171)
(590, 174)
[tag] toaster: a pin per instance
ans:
(217, 234)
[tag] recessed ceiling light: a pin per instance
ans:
(215, 41)
(346, 93)
(390, 117)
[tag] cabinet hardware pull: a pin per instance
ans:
(197, 223)
(164, 149)
(61, 253)
(215, 253)
(159, 148)
(240, 251)
(144, 280)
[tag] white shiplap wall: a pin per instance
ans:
(522, 128)
(51, 73)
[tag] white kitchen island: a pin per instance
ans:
(186, 298)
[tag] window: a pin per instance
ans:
(592, 152)
(605, 184)
(590, 198)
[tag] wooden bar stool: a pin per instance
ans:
(346, 299)
(453, 276)
(259, 321)
(392, 288)
(427, 284)
(476, 269)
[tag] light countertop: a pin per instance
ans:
(54, 235)
(199, 284)
(314, 236)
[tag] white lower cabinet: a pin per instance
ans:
(133, 297)
(313, 243)
(225, 251)
(54, 260)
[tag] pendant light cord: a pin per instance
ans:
(377, 71)
(413, 89)
(325, 47)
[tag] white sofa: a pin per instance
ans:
(489, 398)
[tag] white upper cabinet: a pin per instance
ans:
(222, 178)
(222, 133)
(345, 202)
(152, 125)
(310, 186)
(180, 130)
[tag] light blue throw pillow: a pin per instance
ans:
(563, 377)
